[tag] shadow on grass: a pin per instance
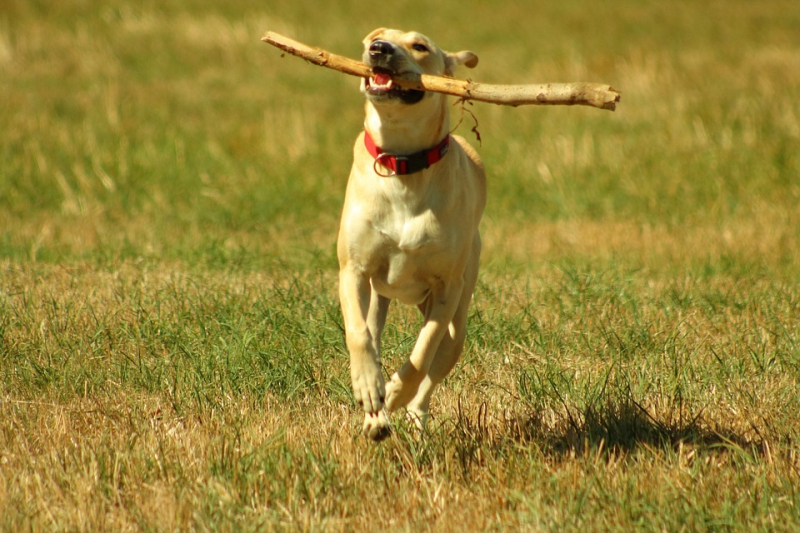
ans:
(614, 428)
(623, 425)
(618, 426)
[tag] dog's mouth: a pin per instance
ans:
(380, 86)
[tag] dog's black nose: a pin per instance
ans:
(380, 48)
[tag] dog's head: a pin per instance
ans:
(394, 52)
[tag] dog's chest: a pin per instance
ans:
(408, 250)
(412, 232)
(409, 233)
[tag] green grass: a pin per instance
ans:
(171, 347)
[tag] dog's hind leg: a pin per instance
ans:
(443, 334)
(443, 302)
(451, 345)
(446, 358)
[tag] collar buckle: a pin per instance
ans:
(379, 166)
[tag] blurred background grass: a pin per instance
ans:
(168, 129)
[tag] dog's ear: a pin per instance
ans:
(465, 57)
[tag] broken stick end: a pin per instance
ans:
(609, 98)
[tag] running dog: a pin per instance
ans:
(409, 227)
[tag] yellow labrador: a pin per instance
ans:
(409, 228)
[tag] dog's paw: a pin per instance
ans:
(376, 426)
(418, 417)
(403, 386)
(368, 389)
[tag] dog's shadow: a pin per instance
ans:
(623, 426)
(614, 427)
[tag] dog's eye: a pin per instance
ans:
(419, 47)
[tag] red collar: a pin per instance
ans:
(401, 165)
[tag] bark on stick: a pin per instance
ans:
(590, 94)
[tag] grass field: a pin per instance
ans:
(171, 348)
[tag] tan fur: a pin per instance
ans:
(412, 238)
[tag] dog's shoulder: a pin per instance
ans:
(358, 146)
(472, 165)
(470, 152)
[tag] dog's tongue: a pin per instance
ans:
(382, 78)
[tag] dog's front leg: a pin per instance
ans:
(363, 319)
(444, 300)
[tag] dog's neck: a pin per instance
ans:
(405, 129)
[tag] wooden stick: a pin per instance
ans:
(591, 94)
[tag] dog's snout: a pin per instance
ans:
(381, 48)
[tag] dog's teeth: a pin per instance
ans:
(381, 81)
